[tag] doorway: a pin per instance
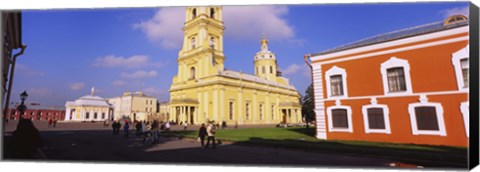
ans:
(192, 111)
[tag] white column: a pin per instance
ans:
(240, 108)
(267, 110)
(67, 112)
(254, 108)
(197, 119)
(205, 107)
(180, 112)
(215, 104)
(222, 105)
(319, 103)
(188, 114)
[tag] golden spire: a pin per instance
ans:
(264, 42)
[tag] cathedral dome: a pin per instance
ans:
(264, 53)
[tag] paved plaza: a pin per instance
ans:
(91, 142)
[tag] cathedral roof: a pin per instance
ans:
(253, 78)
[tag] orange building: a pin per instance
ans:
(406, 86)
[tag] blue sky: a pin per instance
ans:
(135, 49)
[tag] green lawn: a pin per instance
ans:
(298, 138)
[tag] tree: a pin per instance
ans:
(307, 105)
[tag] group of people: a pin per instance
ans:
(208, 132)
(149, 130)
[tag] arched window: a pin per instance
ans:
(212, 12)
(426, 117)
(336, 79)
(192, 42)
(460, 61)
(396, 76)
(192, 73)
(376, 118)
(339, 118)
(212, 42)
(194, 13)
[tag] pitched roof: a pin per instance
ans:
(398, 34)
(89, 100)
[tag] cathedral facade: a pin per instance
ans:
(203, 90)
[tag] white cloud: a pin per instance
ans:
(118, 83)
(292, 69)
(26, 70)
(165, 27)
(40, 92)
(295, 69)
(152, 91)
(140, 74)
(129, 62)
(252, 21)
(455, 11)
(241, 22)
(76, 86)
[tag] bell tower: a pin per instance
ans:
(265, 62)
(202, 51)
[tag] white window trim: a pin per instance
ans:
(349, 118)
(439, 111)
(336, 71)
(392, 63)
(456, 58)
(385, 117)
(464, 108)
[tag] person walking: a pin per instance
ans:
(185, 125)
(55, 122)
(125, 128)
(202, 132)
(50, 122)
(114, 127)
(211, 129)
(138, 126)
(147, 134)
(155, 132)
(167, 126)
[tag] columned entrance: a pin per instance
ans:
(186, 114)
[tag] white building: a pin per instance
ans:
(136, 106)
(88, 108)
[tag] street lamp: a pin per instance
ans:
(24, 96)
(21, 108)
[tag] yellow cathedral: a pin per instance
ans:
(203, 90)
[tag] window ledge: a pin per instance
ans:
(349, 130)
(377, 131)
(429, 132)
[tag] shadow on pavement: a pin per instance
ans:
(102, 146)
